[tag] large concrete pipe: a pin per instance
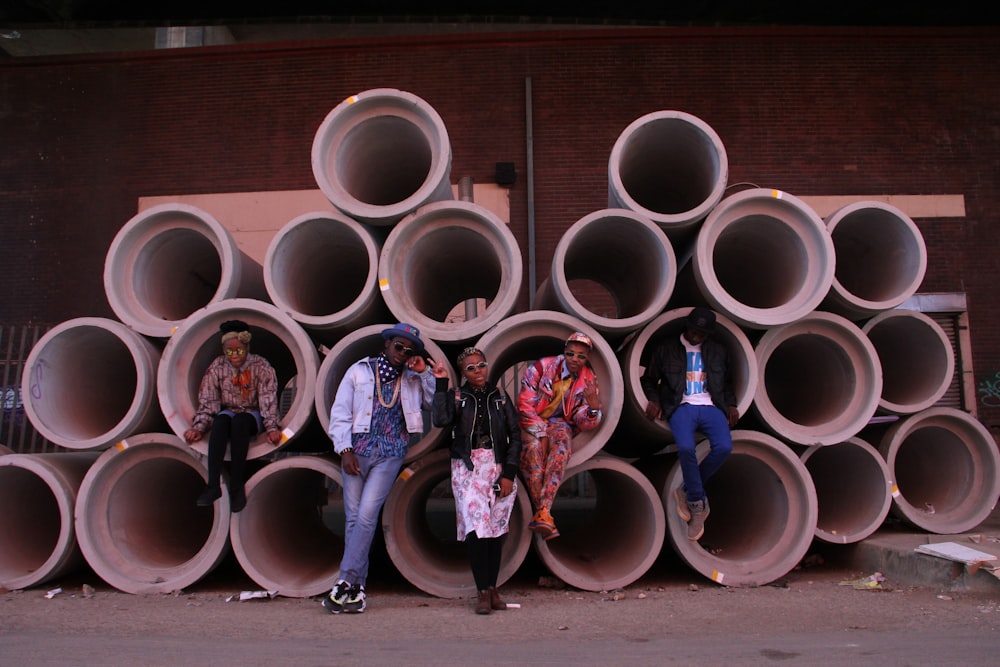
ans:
(443, 255)
(916, 357)
(381, 154)
(671, 167)
(136, 518)
(525, 337)
(639, 435)
(763, 513)
(38, 494)
(355, 346)
(91, 381)
(881, 259)
(762, 257)
(625, 255)
(946, 469)
(322, 269)
(819, 380)
(418, 522)
(280, 538)
(170, 260)
(853, 489)
(611, 533)
(276, 336)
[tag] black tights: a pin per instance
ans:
(235, 431)
(484, 556)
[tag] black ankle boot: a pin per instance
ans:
(209, 495)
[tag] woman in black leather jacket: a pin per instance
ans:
(485, 456)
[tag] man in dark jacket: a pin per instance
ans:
(687, 382)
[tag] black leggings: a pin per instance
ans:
(235, 431)
(484, 556)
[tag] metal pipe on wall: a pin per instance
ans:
(595, 249)
(276, 336)
(89, 382)
(322, 269)
(443, 255)
(170, 260)
(381, 154)
(137, 522)
(38, 494)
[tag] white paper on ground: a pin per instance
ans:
(956, 552)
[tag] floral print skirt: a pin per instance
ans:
(477, 507)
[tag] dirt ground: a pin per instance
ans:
(104, 626)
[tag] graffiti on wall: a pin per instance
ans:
(989, 390)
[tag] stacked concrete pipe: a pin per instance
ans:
(594, 250)
(322, 269)
(946, 470)
(763, 513)
(280, 538)
(762, 257)
(670, 167)
(170, 260)
(136, 518)
(276, 336)
(881, 259)
(819, 380)
(642, 436)
(916, 358)
(38, 539)
(381, 154)
(853, 489)
(525, 337)
(610, 539)
(444, 255)
(91, 381)
(353, 347)
(418, 522)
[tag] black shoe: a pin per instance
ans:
(334, 602)
(209, 496)
(355, 602)
(237, 500)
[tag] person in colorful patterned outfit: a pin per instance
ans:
(559, 398)
(377, 409)
(485, 455)
(238, 398)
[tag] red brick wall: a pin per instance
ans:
(809, 111)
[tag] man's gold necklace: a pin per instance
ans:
(395, 392)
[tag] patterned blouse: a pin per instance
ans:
(253, 388)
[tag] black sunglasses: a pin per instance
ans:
(405, 351)
(472, 367)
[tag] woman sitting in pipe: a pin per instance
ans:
(238, 397)
(485, 454)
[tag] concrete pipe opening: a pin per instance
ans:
(881, 259)
(381, 154)
(611, 524)
(669, 166)
(945, 465)
(290, 537)
(170, 260)
(587, 280)
(314, 252)
(276, 336)
(764, 258)
(916, 357)
(763, 517)
(351, 349)
(853, 490)
(418, 521)
(645, 437)
(444, 255)
(38, 495)
(819, 380)
(137, 522)
(523, 338)
(89, 382)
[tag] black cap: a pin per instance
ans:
(701, 319)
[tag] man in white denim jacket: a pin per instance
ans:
(376, 411)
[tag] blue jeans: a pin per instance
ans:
(364, 496)
(711, 421)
